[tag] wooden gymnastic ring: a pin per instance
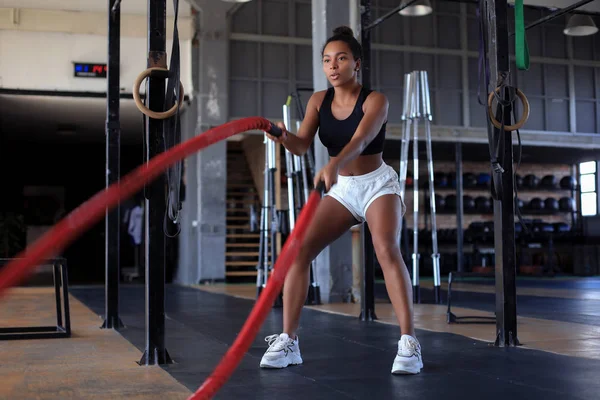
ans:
(523, 119)
(140, 105)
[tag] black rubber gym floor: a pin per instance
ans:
(343, 357)
(579, 283)
(581, 311)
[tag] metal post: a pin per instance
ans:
(415, 116)
(263, 261)
(406, 124)
(290, 172)
(367, 298)
(271, 156)
(303, 173)
(113, 169)
(504, 226)
(298, 183)
(427, 117)
(403, 171)
(460, 264)
(156, 352)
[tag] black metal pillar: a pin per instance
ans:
(113, 169)
(460, 263)
(156, 352)
(367, 298)
(504, 226)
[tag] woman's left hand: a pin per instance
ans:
(328, 174)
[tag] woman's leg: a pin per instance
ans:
(383, 217)
(331, 220)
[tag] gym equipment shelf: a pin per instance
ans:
(547, 205)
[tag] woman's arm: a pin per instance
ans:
(299, 143)
(376, 111)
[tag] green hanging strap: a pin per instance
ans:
(521, 48)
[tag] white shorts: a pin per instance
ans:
(356, 193)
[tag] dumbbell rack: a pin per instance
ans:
(417, 106)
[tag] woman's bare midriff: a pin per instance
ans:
(362, 165)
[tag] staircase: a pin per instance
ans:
(242, 245)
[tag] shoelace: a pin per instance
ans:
(275, 344)
(271, 339)
(409, 346)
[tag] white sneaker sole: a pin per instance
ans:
(407, 369)
(283, 363)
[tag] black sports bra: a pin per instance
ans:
(335, 134)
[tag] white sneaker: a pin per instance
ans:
(408, 359)
(282, 351)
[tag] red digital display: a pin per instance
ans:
(90, 70)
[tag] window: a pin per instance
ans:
(587, 180)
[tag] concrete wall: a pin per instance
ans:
(38, 45)
(44, 61)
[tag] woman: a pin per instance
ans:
(359, 187)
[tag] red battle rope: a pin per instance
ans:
(232, 358)
(88, 213)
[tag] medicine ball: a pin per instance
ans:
(518, 227)
(535, 225)
(551, 204)
(519, 203)
(483, 204)
(440, 179)
(531, 181)
(469, 180)
(488, 227)
(548, 182)
(468, 203)
(451, 179)
(536, 204)
(519, 181)
(568, 182)
(451, 202)
(484, 180)
(561, 227)
(545, 227)
(440, 202)
(566, 204)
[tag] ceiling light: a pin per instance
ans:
(416, 9)
(236, 1)
(580, 25)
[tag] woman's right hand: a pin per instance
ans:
(279, 139)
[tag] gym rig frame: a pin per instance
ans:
(156, 353)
